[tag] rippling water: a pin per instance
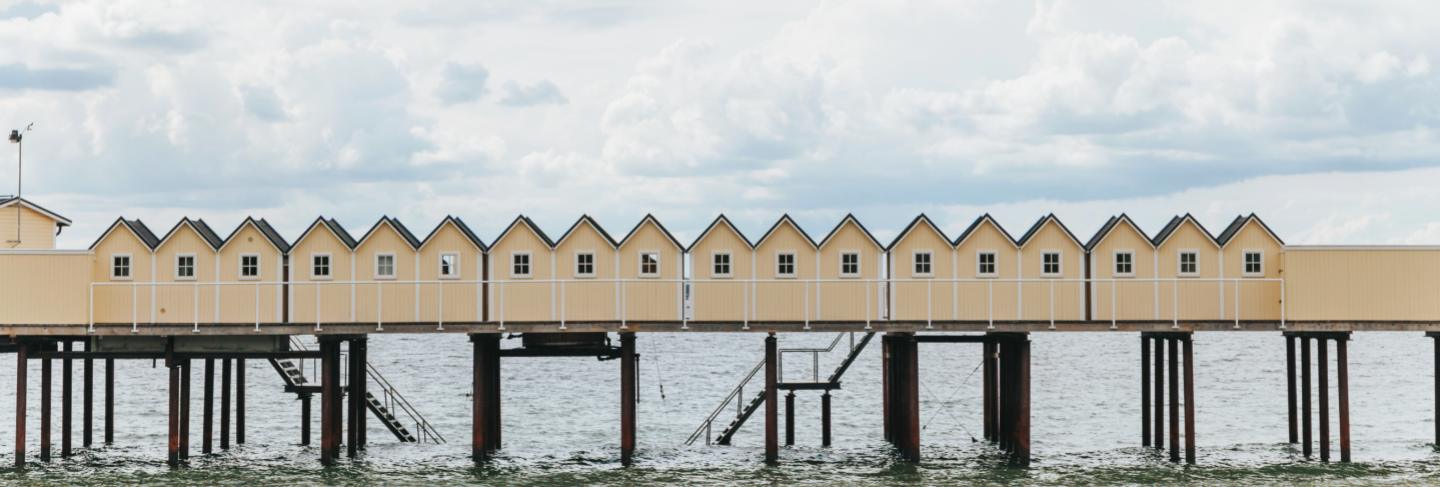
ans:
(562, 419)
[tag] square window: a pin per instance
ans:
(320, 266)
(1254, 263)
(185, 267)
(1050, 264)
(250, 266)
(519, 265)
(985, 264)
(922, 264)
(785, 265)
(385, 266)
(450, 265)
(585, 264)
(1124, 264)
(120, 267)
(720, 264)
(849, 264)
(649, 264)
(1189, 263)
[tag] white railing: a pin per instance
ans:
(742, 301)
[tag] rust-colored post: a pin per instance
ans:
(1021, 453)
(1343, 375)
(987, 400)
(352, 412)
(886, 395)
(207, 428)
(305, 419)
(225, 400)
(1305, 393)
(627, 398)
(184, 409)
(790, 419)
(109, 401)
(825, 418)
(45, 409)
(361, 348)
(173, 394)
(1190, 398)
(240, 400)
(1144, 389)
(329, 401)
(66, 407)
(772, 433)
(485, 361)
(496, 404)
(1323, 342)
(21, 387)
(1007, 394)
(912, 398)
(1174, 353)
(1290, 387)
(87, 407)
(1158, 400)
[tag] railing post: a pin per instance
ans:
(563, 304)
(195, 306)
(1284, 304)
(1237, 304)
(500, 285)
(134, 308)
(257, 306)
(868, 295)
(929, 304)
(1052, 305)
(1175, 306)
(1112, 304)
(624, 320)
(379, 305)
(745, 320)
(90, 307)
(317, 306)
(990, 303)
(807, 304)
(440, 313)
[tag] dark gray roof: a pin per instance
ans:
(976, 225)
(1239, 223)
(137, 228)
(525, 220)
(340, 232)
(265, 230)
(919, 218)
(399, 228)
(593, 224)
(207, 233)
(1110, 225)
(674, 241)
(1174, 225)
(464, 230)
(1041, 224)
(718, 220)
(785, 218)
(851, 217)
(59, 220)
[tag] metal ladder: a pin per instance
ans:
(294, 376)
(744, 409)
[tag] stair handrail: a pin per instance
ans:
(734, 395)
(391, 394)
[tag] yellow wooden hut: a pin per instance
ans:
(923, 266)
(522, 282)
(785, 271)
(186, 261)
(1122, 263)
(652, 269)
(323, 274)
(452, 271)
(851, 263)
(587, 261)
(1250, 252)
(1189, 256)
(722, 263)
(124, 271)
(387, 260)
(1052, 269)
(987, 263)
(26, 225)
(251, 264)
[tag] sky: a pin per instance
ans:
(1320, 116)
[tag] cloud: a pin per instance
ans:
(462, 83)
(20, 76)
(541, 92)
(28, 10)
(262, 103)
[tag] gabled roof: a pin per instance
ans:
(1041, 224)
(850, 218)
(717, 222)
(921, 218)
(976, 226)
(265, 229)
(585, 219)
(524, 220)
(1239, 223)
(59, 220)
(136, 228)
(335, 229)
(1110, 225)
(400, 228)
(200, 228)
(785, 218)
(1174, 225)
(464, 230)
(651, 218)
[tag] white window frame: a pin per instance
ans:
(994, 264)
(794, 265)
(859, 262)
(729, 264)
(929, 263)
(1114, 263)
(240, 269)
(129, 267)
(329, 266)
(194, 265)
(1180, 263)
(394, 266)
(576, 270)
(529, 265)
(1245, 264)
(454, 266)
(1059, 263)
(640, 261)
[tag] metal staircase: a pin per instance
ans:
(293, 374)
(744, 409)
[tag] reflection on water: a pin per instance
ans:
(562, 419)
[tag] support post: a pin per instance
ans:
(305, 419)
(173, 407)
(109, 401)
(66, 406)
(207, 428)
(87, 408)
(1305, 393)
(329, 400)
(987, 401)
(1144, 389)
(1020, 455)
(21, 387)
(1190, 398)
(352, 412)
(45, 410)
(825, 418)
(886, 395)
(1323, 365)
(1290, 388)
(627, 398)
(240, 400)
(1159, 394)
(1174, 398)
(225, 401)
(911, 381)
(184, 409)
(1343, 372)
(790, 419)
(484, 361)
(1007, 393)
(361, 346)
(772, 440)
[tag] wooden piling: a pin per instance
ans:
(1144, 389)
(329, 401)
(790, 419)
(912, 398)
(1006, 383)
(1174, 353)
(886, 395)
(173, 406)
(1323, 390)
(825, 418)
(1290, 388)
(184, 409)
(362, 347)
(225, 401)
(1190, 398)
(987, 389)
(1021, 455)
(66, 406)
(1343, 376)
(1305, 394)
(627, 398)
(485, 364)
(109, 401)
(240, 400)
(772, 440)
(45, 409)
(305, 419)
(21, 388)
(87, 407)
(352, 408)
(207, 429)
(1158, 400)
